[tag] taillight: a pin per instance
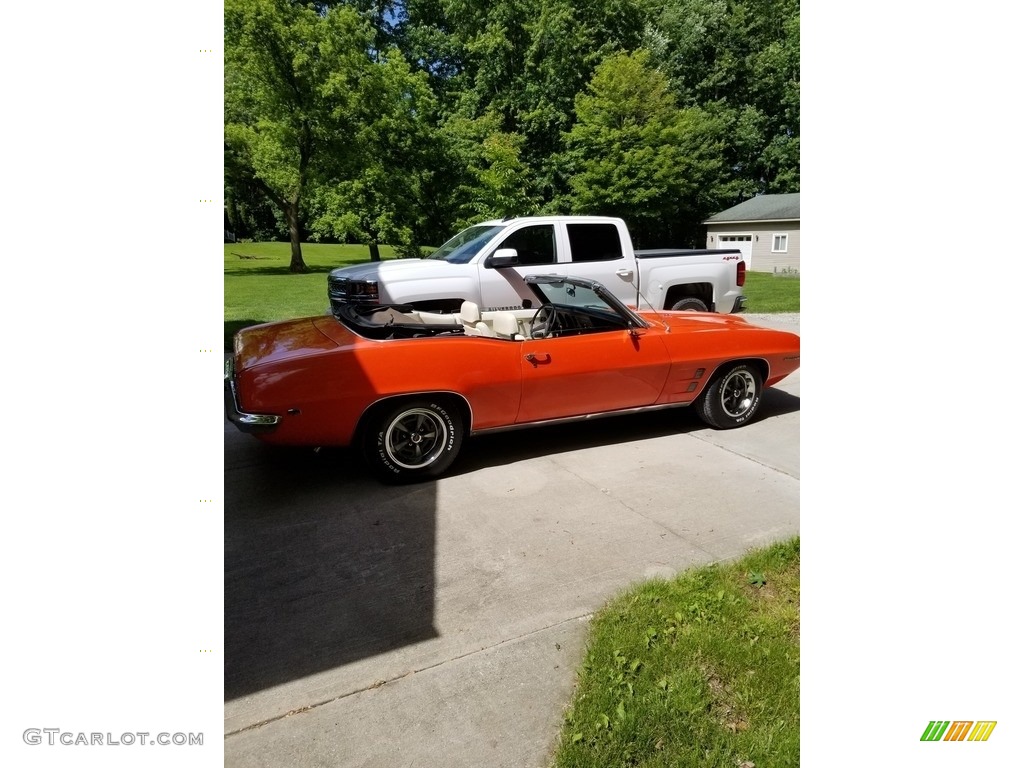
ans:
(741, 272)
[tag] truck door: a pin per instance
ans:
(536, 247)
(595, 251)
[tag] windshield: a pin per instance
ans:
(582, 294)
(465, 245)
(567, 294)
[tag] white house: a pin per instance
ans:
(766, 230)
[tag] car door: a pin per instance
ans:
(591, 373)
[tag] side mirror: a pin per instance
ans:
(503, 257)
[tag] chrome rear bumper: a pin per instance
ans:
(247, 422)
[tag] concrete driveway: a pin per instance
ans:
(442, 623)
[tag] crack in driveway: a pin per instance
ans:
(381, 683)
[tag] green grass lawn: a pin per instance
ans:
(767, 292)
(702, 671)
(258, 287)
(257, 283)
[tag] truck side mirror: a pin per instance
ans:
(503, 257)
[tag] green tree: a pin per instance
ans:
(520, 62)
(290, 74)
(739, 60)
(635, 154)
(498, 107)
(495, 181)
(567, 42)
(394, 137)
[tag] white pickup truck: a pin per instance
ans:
(485, 264)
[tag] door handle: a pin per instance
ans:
(625, 273)
(542, 358)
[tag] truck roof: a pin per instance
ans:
(554, 217)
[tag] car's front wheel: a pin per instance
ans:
(732, 398)
(412, 440)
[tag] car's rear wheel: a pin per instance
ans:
(732, 398)
(690, 304)
(412, 440)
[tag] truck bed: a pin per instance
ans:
(661, 253)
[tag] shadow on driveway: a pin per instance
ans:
(495, 449)
(321, 566)
(324, 566)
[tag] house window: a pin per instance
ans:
(780, 243)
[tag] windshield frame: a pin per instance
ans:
(613, 304)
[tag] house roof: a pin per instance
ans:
(762, 208)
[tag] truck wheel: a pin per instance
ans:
(690, 304)
(732, 398)
(412, 440)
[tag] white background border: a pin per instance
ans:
(112, 288)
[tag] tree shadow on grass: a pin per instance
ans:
(245, 271)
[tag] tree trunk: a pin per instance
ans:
(291, 213)
(374, 251)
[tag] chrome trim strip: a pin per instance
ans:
(583, 417)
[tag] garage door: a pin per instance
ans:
(742, 242)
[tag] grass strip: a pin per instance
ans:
(767, 292)
(703, 670)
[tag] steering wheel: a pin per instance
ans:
(543, 323)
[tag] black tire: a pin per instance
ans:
(690, 304)
(732, 398)
(412, 440)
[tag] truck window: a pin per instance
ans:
(594, 242)
(535, 245)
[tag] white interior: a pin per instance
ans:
(504, 324)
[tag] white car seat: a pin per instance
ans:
(506, 326)
(469, 314)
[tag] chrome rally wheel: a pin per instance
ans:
(416, 438)
(738, 393)
(732, 397)
(412, 440)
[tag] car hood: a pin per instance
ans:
(289, 340)
(734, 329)
(696, 321)
(395, 269)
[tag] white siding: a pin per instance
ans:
(763, 260)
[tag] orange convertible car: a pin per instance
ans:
(407, 387)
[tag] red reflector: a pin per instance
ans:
(741, 272)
